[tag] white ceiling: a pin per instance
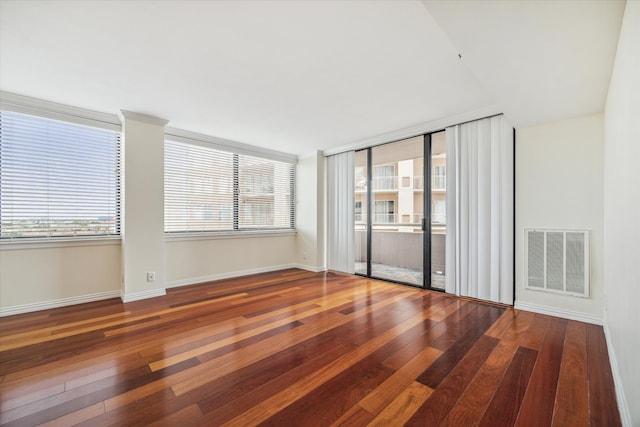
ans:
(540, 60)
(302, 76)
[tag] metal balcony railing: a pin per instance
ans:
(360, 185)
(392, 219)
(380, 183)
(378, 218)
(385, 183)
(438, 182)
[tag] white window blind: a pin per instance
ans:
(264, 193)
(198, 188)
(208, 190)
(57, 179)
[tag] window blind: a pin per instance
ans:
(57, 179)
(208, 190)
(265, 190)
(198, 188)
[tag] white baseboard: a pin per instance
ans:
(311, 268)
(63, 302)
(625, 415)
(229, 275)
(142, 295)
(558, 312)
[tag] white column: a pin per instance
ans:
(310, 211)
(142, 206)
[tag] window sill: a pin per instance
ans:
(225, 235)
(57, 242)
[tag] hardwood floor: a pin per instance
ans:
(299, 348)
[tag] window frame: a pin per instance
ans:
(238, 231)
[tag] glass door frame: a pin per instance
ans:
(426, 217)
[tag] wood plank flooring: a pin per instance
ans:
(293, 348)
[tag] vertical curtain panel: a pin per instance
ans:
(479, 241)
(340, 207)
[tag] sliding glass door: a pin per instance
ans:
(394, 239)
(396, 228)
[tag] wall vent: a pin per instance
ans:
(557, 261)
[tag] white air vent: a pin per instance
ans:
(557, 261)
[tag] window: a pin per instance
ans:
(57, 179)
(384, 177)
(439, 177)
(357, 211)
(439, 212)
(198, 188)
(384, 212)
(208, 190)
(265, 193)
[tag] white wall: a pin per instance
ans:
(622, 216)
(195, 261)
(47, 275)
(310, 211)
(559, 174)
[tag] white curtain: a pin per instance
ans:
(479, 242)
(340, 204)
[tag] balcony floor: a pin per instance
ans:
(411, 276)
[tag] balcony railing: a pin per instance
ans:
(440, 219)
(400, 250)
(384, 218)
(380, 183)
(438, 182)
(436, 219)
(378, 218)
(418, 183)
(385, 183)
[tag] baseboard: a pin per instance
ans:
(558, 312)
(142, 295)
(311, 268)
(63, 302)
(228, 275)
(625, 416)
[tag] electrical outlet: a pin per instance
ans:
(304, 255)
(151, 276)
